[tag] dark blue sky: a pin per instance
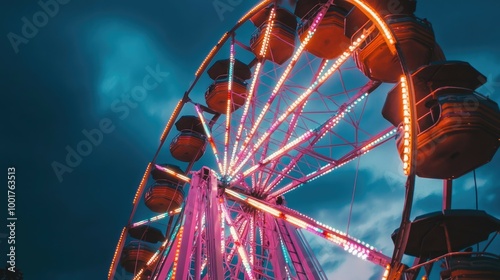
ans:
(66, 78)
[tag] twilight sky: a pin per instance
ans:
(69, 76)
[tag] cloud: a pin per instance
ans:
(338, 264)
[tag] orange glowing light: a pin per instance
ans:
(170, 122)
(142, 184)
(407, 137)
(379, 22)
(115, 255)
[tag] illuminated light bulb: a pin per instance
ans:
(407, 125)
(245, 110)
(386, 272)
(257, 7)
(238, 244)
(115, 255)
(209, 136)
(142, 184)
(228, 108)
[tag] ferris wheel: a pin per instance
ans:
(290, 94)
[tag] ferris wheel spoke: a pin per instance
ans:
(251, 92)
(341, 60)
(228, 107)
(295, 118)
(232, 247)
(354, 246)
(209, 137)
(313, 135)
(345, 108)
(264, 151)
(253, 86)
(251, 239)
(379, 139)
(238, 244)
(284, 75)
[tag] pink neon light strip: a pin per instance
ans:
(222, 225)
(381, 138)
(245, 113)
(303, 97)
(319, 132)
(353, 246)
(252, 240)
(237, 242)
(284, 76)
(228, 108)
(331, 123)
(233, 249)
(173, 173)
(209, 136)
(258, 68)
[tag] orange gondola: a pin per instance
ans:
(163, 197)
(189, 145)
(329, 40)
(356, 19)
(216, 94)
(458, 129)
(282, 38)
(146, 233)
(416, 41)
(135, 256)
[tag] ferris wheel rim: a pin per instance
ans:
(227, 35)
